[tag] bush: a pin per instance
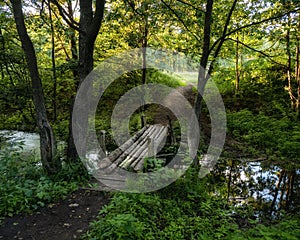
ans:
(286, 230)
(181, 211)
(274, 137)
(24, 186)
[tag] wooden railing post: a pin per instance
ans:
(151, 147)
(171, 133)
(102, 141)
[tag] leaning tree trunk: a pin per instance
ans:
(237, 69)
(47, 140)
(202, 75)
(206, 69)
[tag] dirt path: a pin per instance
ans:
(64, 220)
(163, 113)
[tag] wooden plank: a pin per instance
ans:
(140, 143)
(142, 152)
(157, 141)
(138, 148)
(122, 152)
(113, 156)
(133, 152)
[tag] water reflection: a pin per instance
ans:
(267, 187)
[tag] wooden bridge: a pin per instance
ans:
(131, 155)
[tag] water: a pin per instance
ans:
(267, 186)
(25, 142)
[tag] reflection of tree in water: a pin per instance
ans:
(287, 191)
(268, 189)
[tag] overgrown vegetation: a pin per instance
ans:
(266, 135)
(251, 49)
(24, 186)
(184, 210)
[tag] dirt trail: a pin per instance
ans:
(163, 113)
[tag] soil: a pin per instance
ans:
(63, 220)
(163, 114)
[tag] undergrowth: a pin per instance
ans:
(267, 135)
(24, 186)
(183, 210)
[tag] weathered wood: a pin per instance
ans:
(140, 150)
(156, 141)
(124, 158)
(102, 141)
(140, 143)
(132, 153)
(171, 132)
(116, 153)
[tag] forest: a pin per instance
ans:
(132, 119)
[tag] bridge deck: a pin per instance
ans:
(145, 143)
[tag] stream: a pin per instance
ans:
(268, 187)
(24, 142)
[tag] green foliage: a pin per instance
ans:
(275, 137)
(164, 78)
(183, 210)
(61, 130)
(286, 230)
(25, 187)
(152, 164)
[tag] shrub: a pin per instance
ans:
(25, 187)
(181, 211)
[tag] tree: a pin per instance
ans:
(205, 70)
(215, 28)
(47, 140)
(293, 79)
(88, 28)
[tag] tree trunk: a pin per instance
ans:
(297, 76)
(47, 140)
(202, 76)
(144, 70)
(71, 149)
(89, 27)
(237, 70)
(53, 64)
(289, 66)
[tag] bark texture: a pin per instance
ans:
(47, 140)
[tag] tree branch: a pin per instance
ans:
(252, 24)
(222, 38)
(182, 22)
(191, 5)
(133, 7)
(93, 30)
(64, 14)
(258, 51)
